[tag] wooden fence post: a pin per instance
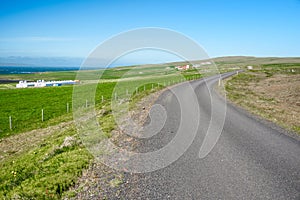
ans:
(10, 123)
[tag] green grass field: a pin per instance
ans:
(47, 170)
(25, 106)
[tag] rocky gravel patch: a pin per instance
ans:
(102, 182)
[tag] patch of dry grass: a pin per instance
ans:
(276, 97)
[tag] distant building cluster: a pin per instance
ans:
(186, 67)
(42, 83)
(183, 67)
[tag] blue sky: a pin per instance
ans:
(73, 28)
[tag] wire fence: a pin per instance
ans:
(20, 116)
(29, 118)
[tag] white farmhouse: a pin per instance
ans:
(42, 83)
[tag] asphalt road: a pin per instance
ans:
(252, 159)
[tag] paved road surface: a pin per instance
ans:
(251, 160)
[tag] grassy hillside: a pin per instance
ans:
(43, 159)
(44, 163)
(25, 106)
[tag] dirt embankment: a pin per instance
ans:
(103, 182)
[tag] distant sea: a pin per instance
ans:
(30, 70)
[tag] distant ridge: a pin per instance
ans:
(31, 70)
(15, 61)
(40, 61)
(244, 60)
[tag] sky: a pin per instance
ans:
(73, 28)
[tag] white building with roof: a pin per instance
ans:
(42, 83)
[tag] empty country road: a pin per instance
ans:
(252, 159)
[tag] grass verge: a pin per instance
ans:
(46, 171)
(270, 92)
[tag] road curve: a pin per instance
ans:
(251, 160)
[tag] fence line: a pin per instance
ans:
(44, 114)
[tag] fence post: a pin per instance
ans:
(10, 124)
(67, 107)
(102, 98)
(219, 81)
(42, 115)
